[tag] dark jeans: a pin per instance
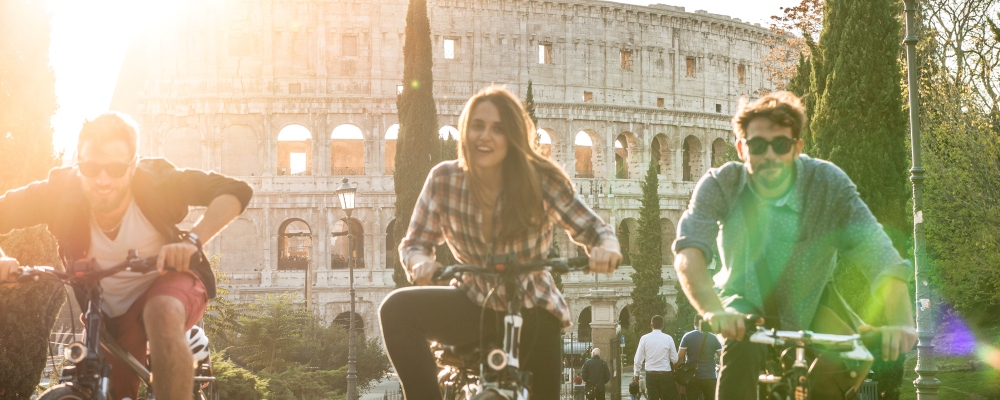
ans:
(595, 395)
(701, 389)
(741, 365)
(411, 317)
(661, 386)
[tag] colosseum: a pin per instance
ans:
(294, 96)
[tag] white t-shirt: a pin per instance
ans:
(658, 352)
(136, 232)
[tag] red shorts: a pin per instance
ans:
(129, 330)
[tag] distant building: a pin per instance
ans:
(293, 96)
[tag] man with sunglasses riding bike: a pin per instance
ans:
(113, 201)
(781, 219)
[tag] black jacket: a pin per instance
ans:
(162, 192)
(596, 373)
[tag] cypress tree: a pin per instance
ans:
(859, 124)
(647, 261)
(27, 103)
(529, 105)
(418, 142)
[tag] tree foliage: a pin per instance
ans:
(299, 356)
(27, 103)
(647, 260)
(418, 143)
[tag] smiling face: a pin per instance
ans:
(105, 191)
(768, 170)
(487, 141)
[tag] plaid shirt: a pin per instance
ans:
(446, 211)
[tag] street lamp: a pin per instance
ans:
(346, 194)
(926, 383)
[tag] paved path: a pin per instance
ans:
(389, 384)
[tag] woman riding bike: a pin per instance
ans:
(500, 198)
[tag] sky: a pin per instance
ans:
(89, 38)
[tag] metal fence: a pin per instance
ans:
(869, 390)
(393, 394)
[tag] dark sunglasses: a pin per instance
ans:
(781, 145)
(114, 169)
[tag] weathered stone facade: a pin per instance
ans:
(231, 86)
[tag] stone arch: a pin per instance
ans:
(585, 153)
(347, 150)
(294, 244)
(241, 151)
(718, 152)
(667, 236)
(544, 143)
(183, 147)
(625, 319)
(447, 130)
(692, 166)
(340, 248)
(344, 320)
(626, 155)
(239, 247)
(391, 254)
(583, 325)
(391, 135)
(294, 150)
(555, 141)
(659, 153)
(627, 231)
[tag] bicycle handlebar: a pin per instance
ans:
(560, 265)
(872, 340)
(131, 264)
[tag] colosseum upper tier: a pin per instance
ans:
(294, 96)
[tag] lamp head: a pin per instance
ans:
(346, 193)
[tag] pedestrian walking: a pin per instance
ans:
(657, 354)
(700, 348)
(634, 391)
(595, 375)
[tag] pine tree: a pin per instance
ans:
(647, 261)
(859, 124)
(418, 143)
(529, 105)
(27, 103)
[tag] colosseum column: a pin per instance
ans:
(678, 163)
(270, 144)
(266, 273)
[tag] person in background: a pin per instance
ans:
(633, 388)
(657, 352)
(700, 348)
(596, 375)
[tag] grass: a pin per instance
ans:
(963, 377)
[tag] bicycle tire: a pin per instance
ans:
(63, 392)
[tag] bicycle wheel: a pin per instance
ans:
(63, 392)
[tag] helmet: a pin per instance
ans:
(198, 342)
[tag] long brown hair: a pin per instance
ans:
(521, 194)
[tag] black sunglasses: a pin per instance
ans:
(114, 169)
(781, 145)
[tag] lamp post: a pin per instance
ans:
(926, 383)
(346, 194)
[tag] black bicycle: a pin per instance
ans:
(475, 372)
(88, 374)
(797, 360)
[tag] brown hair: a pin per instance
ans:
(523, 167)
(781, 108)
(109, 127)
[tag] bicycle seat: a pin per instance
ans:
(463, 356)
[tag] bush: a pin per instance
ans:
(237, 383)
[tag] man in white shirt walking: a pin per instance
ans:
(657, 352)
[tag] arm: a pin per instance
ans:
(899, 335)
(7, 265)
(607, 374)
(584, 226)
(220, 212)
(416, 250)
(640, 356)
(681, 355)
(672, 353)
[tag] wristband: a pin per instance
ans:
(192, 238)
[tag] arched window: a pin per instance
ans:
(692, 159)
(627, 239)
(391, 254)
(583, 323)
(390, 148)
(659, 152)
(544, 143)
(295, 244)
(621, 157)
(344, 320)
(625, 319)
(347, 151)
(447, 131)
(718, 152)
(584, 146)
(294, 151)
(340, 248)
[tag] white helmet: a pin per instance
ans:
(198, 342)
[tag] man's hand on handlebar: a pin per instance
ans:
(731, 325)
(7, 267)
(896, 340)
(422, 273)
(176, 255)
(605, 257)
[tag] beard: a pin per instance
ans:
(784, 173)
(104, 204)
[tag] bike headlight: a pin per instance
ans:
(497, 359)
(75, 352)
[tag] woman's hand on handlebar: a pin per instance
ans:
(422, 273)
(604, 258)
(7, 267)
(177, 255)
